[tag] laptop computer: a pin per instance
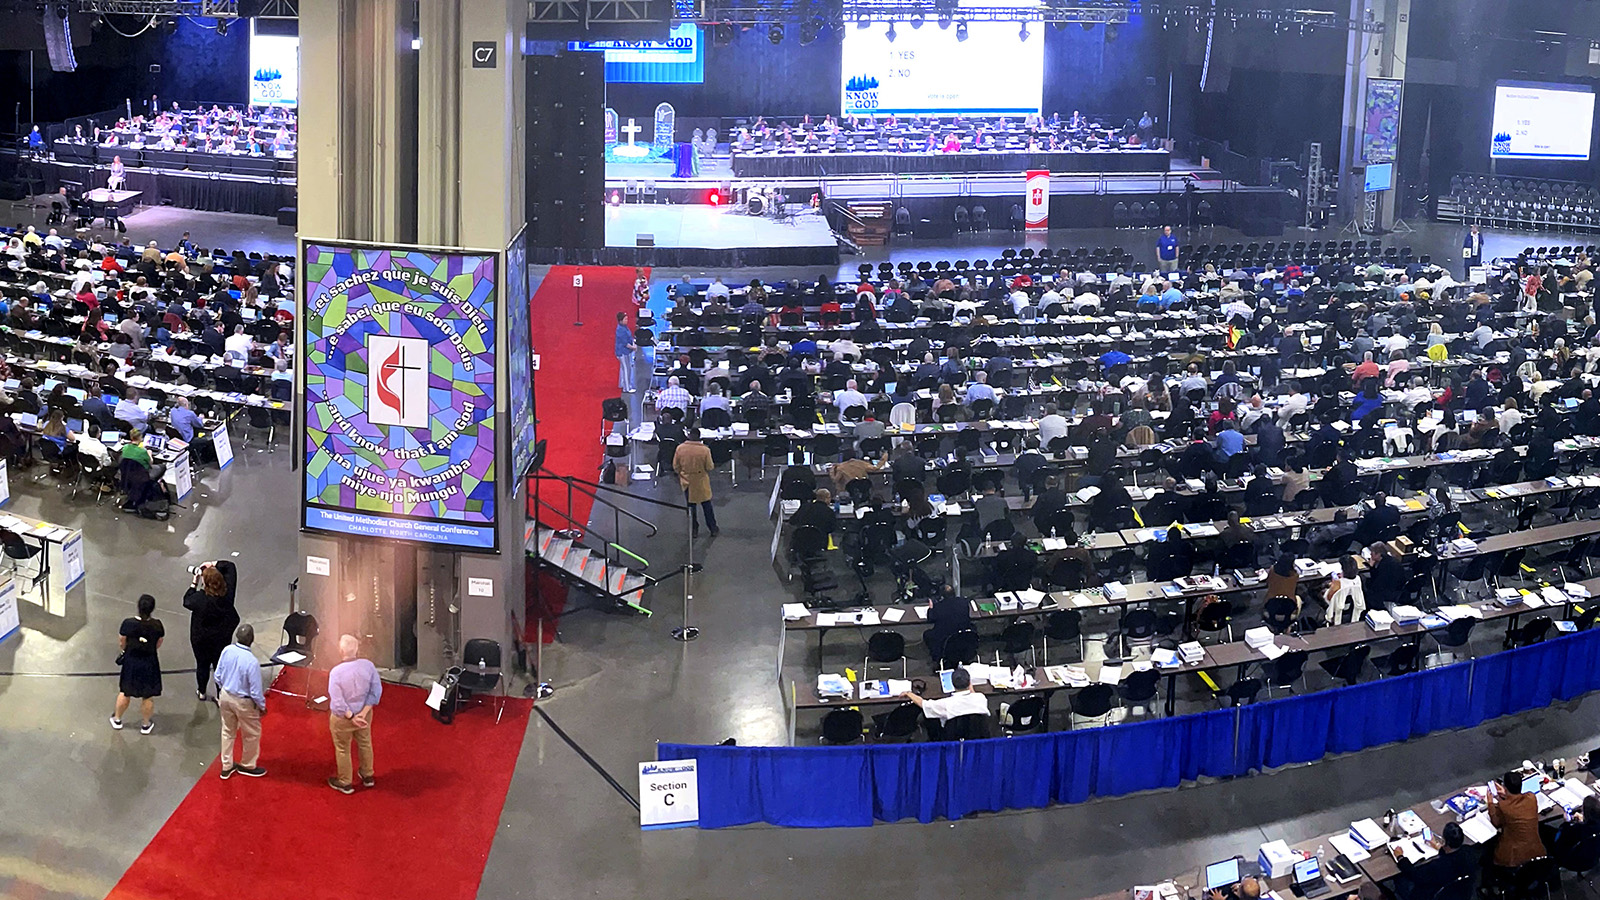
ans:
(1222, 874)
(1307, 879)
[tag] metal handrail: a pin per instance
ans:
(551, 476)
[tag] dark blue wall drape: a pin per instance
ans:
(835, 786)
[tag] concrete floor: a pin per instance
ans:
(81, 801)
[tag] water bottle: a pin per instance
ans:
(483, 666)
(1319, 851)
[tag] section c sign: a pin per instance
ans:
(669, 794)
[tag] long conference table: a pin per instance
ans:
(282, 167)
(799, 164)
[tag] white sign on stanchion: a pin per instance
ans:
(10, 619)
(5, 483)
(224, 446)
(669, 794)
(72, 558)
(182, 477)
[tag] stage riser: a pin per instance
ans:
(1257, 213)
(204, 192)
(688, 257)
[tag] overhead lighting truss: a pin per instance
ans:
(594, 12)
(210, 9)
(1112, 12)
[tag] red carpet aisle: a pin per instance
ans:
(578, 369)
(424, 832)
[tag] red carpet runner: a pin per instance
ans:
(578, 369)
(424, 832)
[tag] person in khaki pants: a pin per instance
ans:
(694, 466)
(242, 702)
(354, 689)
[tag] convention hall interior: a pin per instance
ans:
(1083, 449)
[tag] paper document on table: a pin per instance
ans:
(1347, 846)
(893, 614)
(1110, 674)
(795, 611)
(1478, 829)
(291, 657)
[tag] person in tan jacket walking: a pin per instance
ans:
(693, 464)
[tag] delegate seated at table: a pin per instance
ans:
(1455, 861)
(963, 700)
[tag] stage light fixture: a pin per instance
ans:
(890, 33)
(916, 21)
(1087, 26)
(863, 23)
(713, 198)
(171, 26)
(944, 22)
(1022, 33)
(961, 31)
(775, 33)
(1111, 31)
(61, 10)
(722, 34)
(222, 28)
(808, 31)
(616, 198)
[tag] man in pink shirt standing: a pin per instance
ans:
(353, 691)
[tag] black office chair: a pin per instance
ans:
(1093, 702)
(843, 726)
(300, 630)
(1278, 614)
(1027, 715)
(886, 647)
(1534, 879)
(1216, 617)
(959, 649)
(480, 673)
(1532, 632)
(1139, 689)
(19, 551)
(1240, 693)
(971, 727)
(898, 725)
(1403, 660)
(1017, 639)
(1347, 667)
(1455, 635)
(1066, 625)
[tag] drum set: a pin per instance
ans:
(761, 200)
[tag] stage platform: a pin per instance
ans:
(701, 235)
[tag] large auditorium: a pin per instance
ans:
(1097, 450)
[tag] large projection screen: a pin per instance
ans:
(1542, 121)
(927, 71)
(400, 426)
(274, 69)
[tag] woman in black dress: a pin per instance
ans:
(213, 617)
(140, 637)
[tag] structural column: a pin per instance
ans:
(411, 134)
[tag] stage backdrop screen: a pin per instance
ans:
(1542, 121)
(680, 59)
(274, 69)
(400, 394)
(926, 70)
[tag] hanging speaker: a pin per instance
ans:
(58, 40)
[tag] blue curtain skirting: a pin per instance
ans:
(824, 787)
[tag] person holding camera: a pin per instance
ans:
(139, 638)
(213, 616)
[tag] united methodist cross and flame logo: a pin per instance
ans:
(397, 386)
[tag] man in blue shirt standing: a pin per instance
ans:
(242, 702)
(1167, 250)
(624, 349)
(354, 689)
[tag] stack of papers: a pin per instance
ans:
(1478, 829)
(1459, 611)
(1464, 545)
(1406, 615)
(831, 685)
(892, 687)
(1379, 620)
(793, 612)
(1193, 654)
(1166, 659)
(1348, 848)
(1070, 676)
(1258, 637)
(1368, 834)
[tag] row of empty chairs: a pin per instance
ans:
(1503, 202)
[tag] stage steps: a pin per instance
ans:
(560, 552)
